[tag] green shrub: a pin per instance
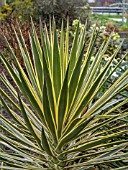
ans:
(20, 9)
(23, 9)
(124, 27)
(4, 11)
(56, 121)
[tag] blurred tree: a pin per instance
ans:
(44, 8)
(61, 8)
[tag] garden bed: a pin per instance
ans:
(124, 35)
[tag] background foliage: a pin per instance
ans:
(40, 8)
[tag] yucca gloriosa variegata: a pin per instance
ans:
(56, 120)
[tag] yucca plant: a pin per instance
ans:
(56, 119)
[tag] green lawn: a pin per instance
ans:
(107, 16)
(104, 18)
